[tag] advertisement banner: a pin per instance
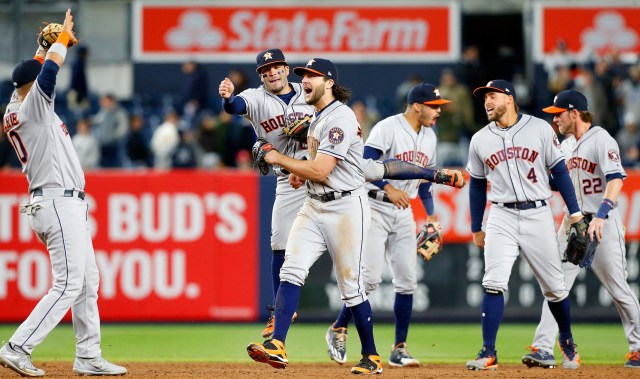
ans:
(236, 33)
(586, 29)
(169, 246)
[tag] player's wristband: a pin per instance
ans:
(63, 38)
(59, 49)
(605, 207)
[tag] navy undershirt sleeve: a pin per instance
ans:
(47, 77)
(565, 187)
(234, 105)
(616, 175)
(477, 202)
(424, 192)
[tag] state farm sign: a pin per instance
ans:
(344, 33)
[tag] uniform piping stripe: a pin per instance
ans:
(361, 247)
(622, 264)
(66, 281)
(517, 166)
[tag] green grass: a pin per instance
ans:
(433, 343)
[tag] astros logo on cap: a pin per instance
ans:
(267, 55)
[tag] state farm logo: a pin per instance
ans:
(348, 30)
(194, 29)
(609, 30)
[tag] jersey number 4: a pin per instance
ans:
(532, 175)
(18, 146)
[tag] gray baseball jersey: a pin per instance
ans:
(58, 216)
(336, 132)
(393, 230)
(268, 115)
(397, 140)
(42, 142)
(589, 161)
(515, 160)
(338, 226)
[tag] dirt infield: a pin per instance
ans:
(329, 370)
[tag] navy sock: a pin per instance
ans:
(492, 311)
(286, 305)
(277, 259)
(363, 318)
(562, 313)
(343, 318)
(402, 312)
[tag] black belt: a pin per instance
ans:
(330, 196)
(523, 205)
(66, 193)
(380, 196)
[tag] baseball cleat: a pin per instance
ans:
(570, 356)
(13, 357)
(369, 364)
(337, 344)
(539, 358)
(485, 360)
(96, 366)
(270, 351)
(267, 333)
(400, 357)
(633, 360)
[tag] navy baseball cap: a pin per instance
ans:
(568, 100)
(319, 66)
(425, 93)
(497, 85)
(268, 57)
(25, 72)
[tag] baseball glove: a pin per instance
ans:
(49, 35)
(451, 178)
(258, 151)
(580, 249)
(429, 240)
(298, 130)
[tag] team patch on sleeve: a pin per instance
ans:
(336, 135)
(555, 141)
(614, 156)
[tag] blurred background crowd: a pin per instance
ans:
(192, 131)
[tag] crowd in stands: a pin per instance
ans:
(188, 133)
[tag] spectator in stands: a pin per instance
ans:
(628, 139)
(111, 125)
(243, 160)
(560, 80)
(628, 93)
(196, 92)
(403, 90)
(137, 145)
(560, 57)
(604, 76)
(165, 139)
(455, 121)
(474, 75)
(78, 94)
(187, 153)
(86, 145)
(366, 117)
(586, 83)
(215, 138)
(239, 80)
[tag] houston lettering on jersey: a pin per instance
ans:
(407, 156)
(516, 152)
(581, 163)
(10, 121)
(278, 121)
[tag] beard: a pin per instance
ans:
(498, 112)
(316, 95)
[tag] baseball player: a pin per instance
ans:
(392, 236)
(514, 152)
(335, 216)
(593, 160)
(269, 108)
(58, 215)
